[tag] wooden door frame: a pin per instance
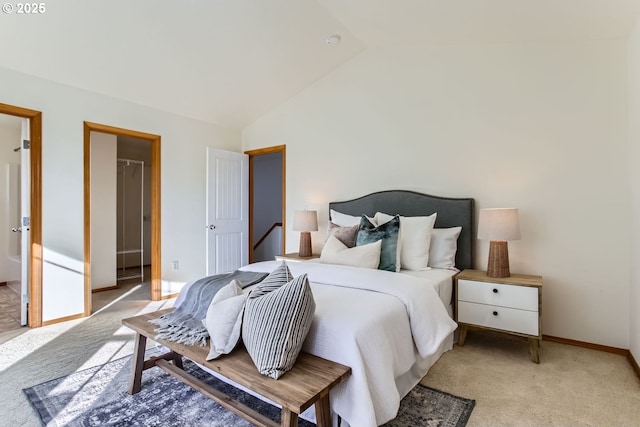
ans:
(261, 152)
(35, 225)
(156, 269)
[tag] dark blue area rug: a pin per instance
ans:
(98, 397)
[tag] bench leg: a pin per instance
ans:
(288, 418)
(323, 412)
(177, 360)
(137, 365)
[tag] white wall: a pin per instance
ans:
(103, 201)
(634, 167)
(10, 136)
(183, 181)
(541, 127)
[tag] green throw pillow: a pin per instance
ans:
(388, 233)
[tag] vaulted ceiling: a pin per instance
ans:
(230, 61)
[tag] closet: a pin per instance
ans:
(130, 219)
(120, 177)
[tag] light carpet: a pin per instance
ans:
(97, 397)
(571, 386)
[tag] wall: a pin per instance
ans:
(10, 136)
(184, 143)
(634, 168)
(541, 127)
(267, 206)
(103, 200)
(270, 246)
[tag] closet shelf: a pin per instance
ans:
(129, 251)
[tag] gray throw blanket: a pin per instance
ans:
(184, 324)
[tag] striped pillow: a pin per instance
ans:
(276, 323)
(273, 281)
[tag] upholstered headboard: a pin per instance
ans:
(452, 212)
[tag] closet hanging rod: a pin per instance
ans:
(130, 161)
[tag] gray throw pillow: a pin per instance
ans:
(388, 233)
(347, 235)
(276, 322)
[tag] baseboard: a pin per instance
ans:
(170, 296)
(108, 288)
(605, 348)
(63, 319)
(634, 364)
(621, 351)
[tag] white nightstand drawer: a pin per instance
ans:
(508, 319)
(519, 297)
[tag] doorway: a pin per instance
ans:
(120, 180)
(24, 246)
(12, 308)
(133, 210)
(267, 202)
(152, 223)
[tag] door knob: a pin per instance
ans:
(211, 227)
(17, 230)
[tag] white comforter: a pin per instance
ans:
(377, 322)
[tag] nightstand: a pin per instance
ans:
(512, 305)
(294, 257)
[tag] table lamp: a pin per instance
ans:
(305, 222)
(498, 225)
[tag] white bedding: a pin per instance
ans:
(442, 279)
(388, 327)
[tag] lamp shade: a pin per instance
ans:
(499, 224)
(305, 221)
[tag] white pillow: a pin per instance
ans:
(336, 252)
(415, 239)
(444, 244)
(224, 319)
(344, 220)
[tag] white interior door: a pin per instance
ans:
(227, 211)
(25, 209)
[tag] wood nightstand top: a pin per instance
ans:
(514, 279)
(293, 256)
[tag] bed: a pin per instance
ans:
(389, 327)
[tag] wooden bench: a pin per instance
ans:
(308, 383)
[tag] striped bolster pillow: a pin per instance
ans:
(276, 324)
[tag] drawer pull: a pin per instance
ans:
(495, 313)
(495, 291)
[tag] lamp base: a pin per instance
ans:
(305, 244)
(498, 265)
